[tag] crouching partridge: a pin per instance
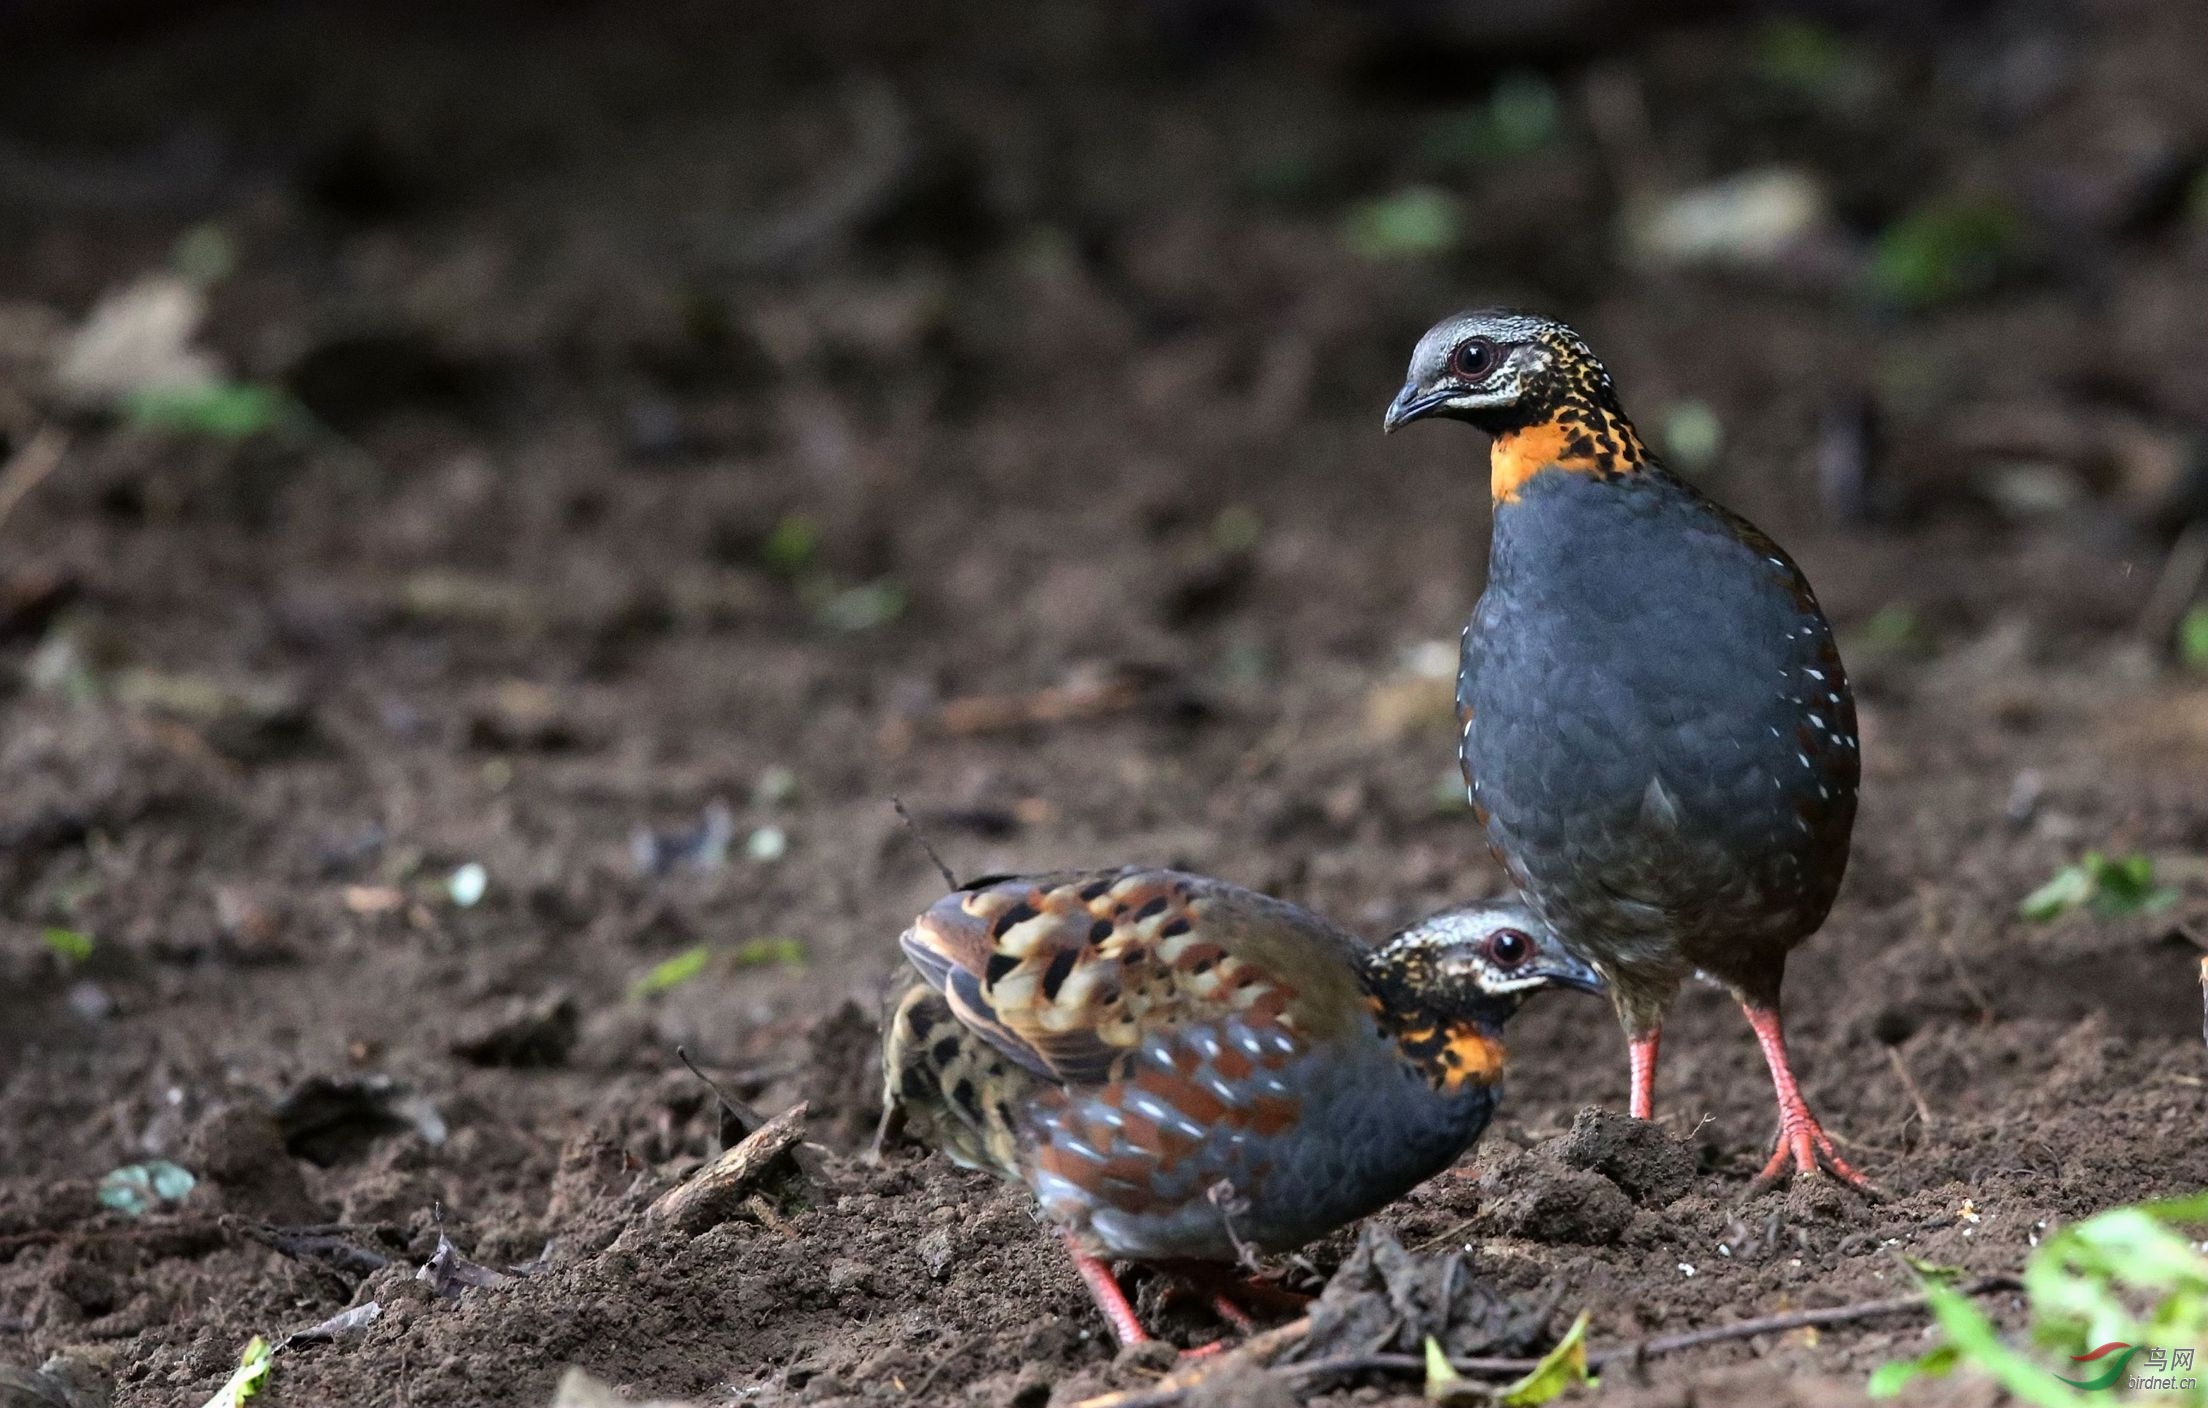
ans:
(1181, 1069)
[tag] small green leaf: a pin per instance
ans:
(137, 1189)
(1236, 528)
(1932, 1270)
(1418, 220)
(2131, 1276)
(1283, 177)
(860, 608)
(2112, 886)
(205, 255)
(672, 973)
(1561, 1368)
(792, 546)
(1443, 1383)
(251, 1376)
(1946, 249)
(776, 786)
(69, 945)
(1890, 1379)
(1893, 628)
(1693, 436)
(225, 410)
(1522, 115)
(2125, 885)
(2192, 639)
(2070, 888)
(762, 953)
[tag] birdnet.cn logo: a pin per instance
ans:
(2165, 1369)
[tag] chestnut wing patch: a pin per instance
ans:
(1066, 974)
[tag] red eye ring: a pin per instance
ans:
(1473, 358)
(1507, 948)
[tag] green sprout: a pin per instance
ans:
(2100, 1291)
(1415, 221)
(2110, 886)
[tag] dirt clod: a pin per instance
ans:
(1642, 1157)
(238, 1149)
(1532, 1195)
(524, 1032)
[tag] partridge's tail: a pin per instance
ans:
(952, 1088)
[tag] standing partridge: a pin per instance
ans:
(1181, 1070)
(1658, 735)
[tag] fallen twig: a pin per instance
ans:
(2175, 586)
(325, 1246)
(29, 466)
(734, 1113)
(1254, 1355)
(343, 1325)
(949, 877)
(882, 154)
(1258, 1353)
(1054, 704)
(186, 1230)
(1909, 1083)
(711, 1195)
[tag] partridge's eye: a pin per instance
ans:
(1474, 358)
(1507, 948)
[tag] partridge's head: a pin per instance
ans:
(1483, 960)
(1534, 385)
(1500, 370)
(1443, 988)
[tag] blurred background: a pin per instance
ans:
(497, 496)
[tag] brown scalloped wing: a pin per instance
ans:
(1066, 973)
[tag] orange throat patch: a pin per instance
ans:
(1577, 441)
(1469, 1058)
(1453, 1055)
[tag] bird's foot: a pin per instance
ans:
(1119, 1312)
(1804, 1147)
(1232, 1297)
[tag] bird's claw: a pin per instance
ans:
(1803, 1147)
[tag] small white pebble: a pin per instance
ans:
(768, 843)
(1793, 1261)
(468, 884)
(1686, 1269)
(1723, 1250)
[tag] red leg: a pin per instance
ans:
(1230, 1296)
(1224, 1307)
(1642, 1054)
(1801, 1141)
(1109, 1298)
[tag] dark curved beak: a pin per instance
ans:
(1410, 405)
(1567, 971)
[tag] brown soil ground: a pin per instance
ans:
(1042, 317)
